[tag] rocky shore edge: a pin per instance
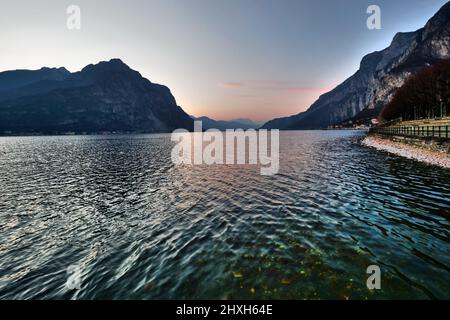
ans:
(409, 151)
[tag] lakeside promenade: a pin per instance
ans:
(423, 128)
(425, 140)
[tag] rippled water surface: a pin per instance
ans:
(142, 228)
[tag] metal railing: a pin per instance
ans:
(426, 130)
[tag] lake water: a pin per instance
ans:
(139, 227)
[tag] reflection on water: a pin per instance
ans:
(141, 228)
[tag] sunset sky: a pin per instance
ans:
(225, 59)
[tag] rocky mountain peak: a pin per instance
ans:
(381, 73)
(111, 66)
(107, 96)
(111, 73)
(438, 21)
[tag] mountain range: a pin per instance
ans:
(381, 73)
(208, 123)
(108, 96)
(111, 97)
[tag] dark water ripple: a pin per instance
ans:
(141, 228)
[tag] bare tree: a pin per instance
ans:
(424, 95)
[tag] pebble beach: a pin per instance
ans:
(409, 151)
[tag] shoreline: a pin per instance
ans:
(419, 153)
(77, 134)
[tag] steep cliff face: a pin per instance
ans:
(108, 96)
(379, 76)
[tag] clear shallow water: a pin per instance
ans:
(141, 228)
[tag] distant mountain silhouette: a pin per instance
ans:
(10, 80)
(208, 123)
(251, 123)
(108, 96)
(380, 75)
